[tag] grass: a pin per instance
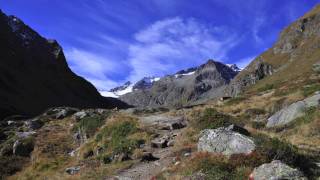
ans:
(90, 125)
(266, 87)
(211, 119)
(310, 89)
(235, 100)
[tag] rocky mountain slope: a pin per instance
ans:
(34, 74)
(186, 87)
(292, 57)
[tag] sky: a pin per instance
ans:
(109, 42)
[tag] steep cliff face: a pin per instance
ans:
(187, 87)
(292, 56)
(34, 74)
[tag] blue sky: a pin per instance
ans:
(112, 41)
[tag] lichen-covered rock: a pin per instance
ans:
(276, 170)
(225, 141)
(287, 114)
(293, 111)
(34, 124)
(61, 112)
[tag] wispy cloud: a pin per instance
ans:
(175, 43)
(96, 68)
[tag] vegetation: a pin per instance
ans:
(266, 87)
(235, 100)
(90, 125)
(310, 89)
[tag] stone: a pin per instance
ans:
(73, 170)
(276, 170)
(79, 115)
(26, 134)
(293, 111)
(238, 129)
(224, 141)
(34, 124)
(170, 143)
(160, 142)
(61, 112)
(148, 156)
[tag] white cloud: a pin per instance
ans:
(95, 68)
(173, 44)
(244, 62)
(258, 24)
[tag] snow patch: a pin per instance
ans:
(186, 74)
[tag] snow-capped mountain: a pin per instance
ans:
(129, 87)
(147, 82)
(234, 67)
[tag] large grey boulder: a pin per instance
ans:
(293, 111)
(276, 170)
(225, 141)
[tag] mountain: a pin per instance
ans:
(186, 87)
(34, 74)
(289, 61)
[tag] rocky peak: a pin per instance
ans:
(145, 83)
(121, 88)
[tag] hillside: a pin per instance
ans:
(34, 74)
(291, 60)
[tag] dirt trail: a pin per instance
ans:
(147, 170)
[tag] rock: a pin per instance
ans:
(3, 136)
(23, 147)
(34, 124)
(225, 141)
(24, 135)
(160, 142)
(73, 170)
(293, 111)
(187, 154)
(170, 143)
(238, 129)
(316, 67)
(79, 115)
(148, 156)
(276, 170)
(121, 157)
(60, 112)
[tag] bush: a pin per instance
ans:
(115, 137)
(89, 125)
(212, 119)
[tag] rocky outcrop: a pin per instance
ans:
(296, 50)
(293, 111)
(225, 141)
(34, 74)
(192, 86)
(276, 170)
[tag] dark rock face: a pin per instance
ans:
(34, 74)
(192, 86)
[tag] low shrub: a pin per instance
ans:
(89, 125)
(211, 119)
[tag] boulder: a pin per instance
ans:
(238, 129)
(60, 112)
(276, 170)
(225, 141)
(293, 111)
(33, 124)
(73, 170)
(148, 156)
(79, 115)
(161, 142)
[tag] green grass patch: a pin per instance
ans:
(310, 89)
(89, 125)
(266, 87)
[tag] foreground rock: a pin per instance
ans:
(276, 170)
(292, 112)
(225, 141)
(73, 170)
